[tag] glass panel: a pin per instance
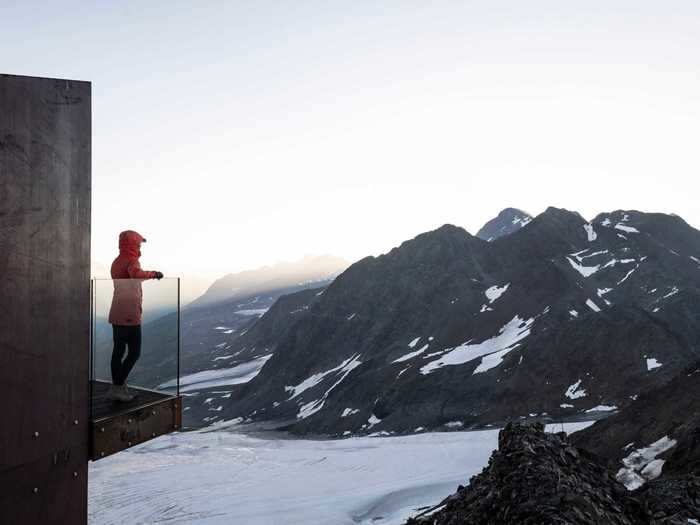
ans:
(126, 312)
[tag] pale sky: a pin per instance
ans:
(244, 133)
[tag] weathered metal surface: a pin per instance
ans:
(45, 142)
(124, 429)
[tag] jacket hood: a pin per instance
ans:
(130, 243)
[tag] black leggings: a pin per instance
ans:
(125, 336)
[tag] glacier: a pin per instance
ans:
(225, 476)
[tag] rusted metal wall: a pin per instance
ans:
(45, 149)
(124, 430)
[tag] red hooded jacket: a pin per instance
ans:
(127, 300)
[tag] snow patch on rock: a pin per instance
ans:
(252, 312)
(506, 340)
(315, 379)
(586, 271)
(627, 229)
(575, 391)
(641, 464)
(652, 363)
(373, 420)
(494, 292)
(592, 305)
(602, 408)
(592, 235)
(411, 355)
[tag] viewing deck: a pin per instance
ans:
(154, 373)
(116, 426)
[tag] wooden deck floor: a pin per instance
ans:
(104, 408)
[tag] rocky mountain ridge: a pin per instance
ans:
(561, 319)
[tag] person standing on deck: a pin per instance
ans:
(125, 311)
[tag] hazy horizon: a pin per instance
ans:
(102, 267)
(195, 284)
(237, 135)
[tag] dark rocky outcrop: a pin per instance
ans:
(671, 410)
(536, 478)
(671, 500)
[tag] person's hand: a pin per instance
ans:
(159, 275)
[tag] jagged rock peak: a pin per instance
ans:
(635, 217)
(506, 222)
(444, 245)
(447, 234)
(447, 230)
(557, 222)
(561, 214)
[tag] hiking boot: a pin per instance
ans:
(120, 393)
(126, 394)
(130, 391)
(112, 393)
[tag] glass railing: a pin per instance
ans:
(135, 342)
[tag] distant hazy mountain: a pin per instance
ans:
(310, 269)
(561, 319)
(508, 221)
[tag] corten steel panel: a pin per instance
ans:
(122, 430)
(45, 141)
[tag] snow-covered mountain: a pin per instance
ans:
(562, 318)
(508, 221)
